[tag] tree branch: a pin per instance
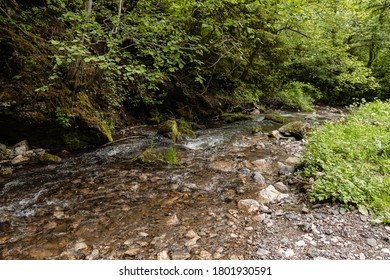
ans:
(293, 30)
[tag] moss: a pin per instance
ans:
(186, 128)
(74, 141)
(275, 118)
(46, 157)
(170, 129)
(233, 117)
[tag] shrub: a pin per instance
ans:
(350, 160)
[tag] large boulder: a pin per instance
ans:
(296, 129)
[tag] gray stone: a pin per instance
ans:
(275, 134)
(271, 195)
(362, 256)
(248, 205)
(371, 242)
(313, 252)
(296, 129)
(300, 243)
(294, 161)
(286, 169)
(286, 253)
(258, 178)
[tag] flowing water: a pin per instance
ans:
(102, 205)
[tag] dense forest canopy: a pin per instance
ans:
(84, 62)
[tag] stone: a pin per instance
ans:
(286, 254)
(80, 246)
(371, 242)
(321, 259)
(191, 234)
(163, 256)
(275, 134)
(271, 195)
(20, 148)
(386, 251)
(387, 228)
(279, 186)
(143, 234)
(294, 161)
(205, 255)
(362, 256)
(259, 218)
(180, 256)
(300, 243)
(223, 165)
(132, 252)
(296, 129)
(286, 169)
(173, 220)
(313, 252)
(248, 205)
(20, 159)
(94, 255)
(262, 252)
(192, 241)
(258, 178)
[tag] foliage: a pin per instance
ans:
(350, 159)
(171, 156)
(298, 95)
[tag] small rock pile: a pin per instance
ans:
(21, 154)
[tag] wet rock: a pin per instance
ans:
(6, 171)
(173, 220)
(371, 242)
(163, 256)
(20, 148)
(20, 159)
(279, 186)
(248, 205)
(49, 158)
(297, 129)
(223, 165)
(271, 195)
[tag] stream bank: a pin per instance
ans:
(217, 204)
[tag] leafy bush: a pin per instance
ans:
(297, 95)
(350, 160)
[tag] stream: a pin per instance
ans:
(100, 205)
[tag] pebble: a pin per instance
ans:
(271, 195)
(205, 255)
(371, 242)
(132, 252)
(362, 256)
(180, 256)
(387, 228)
(259, 178)
(300, 243)
(248, 205)
(94, 255)
(192, 241)
(279, 186)
(80, 246)
(262, 252)
(163, 256)
(259, 218)
(191, 234)
(173, 220)
(313, 252)
(386, 250)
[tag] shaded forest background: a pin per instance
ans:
(71, 71)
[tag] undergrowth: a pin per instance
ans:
(350, 160)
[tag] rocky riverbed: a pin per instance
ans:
(233, 196)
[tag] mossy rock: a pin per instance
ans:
(49, 158)
(233, 117)
(170, 129)
(275, 118)
(297, 129)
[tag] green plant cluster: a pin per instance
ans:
(350, 160)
